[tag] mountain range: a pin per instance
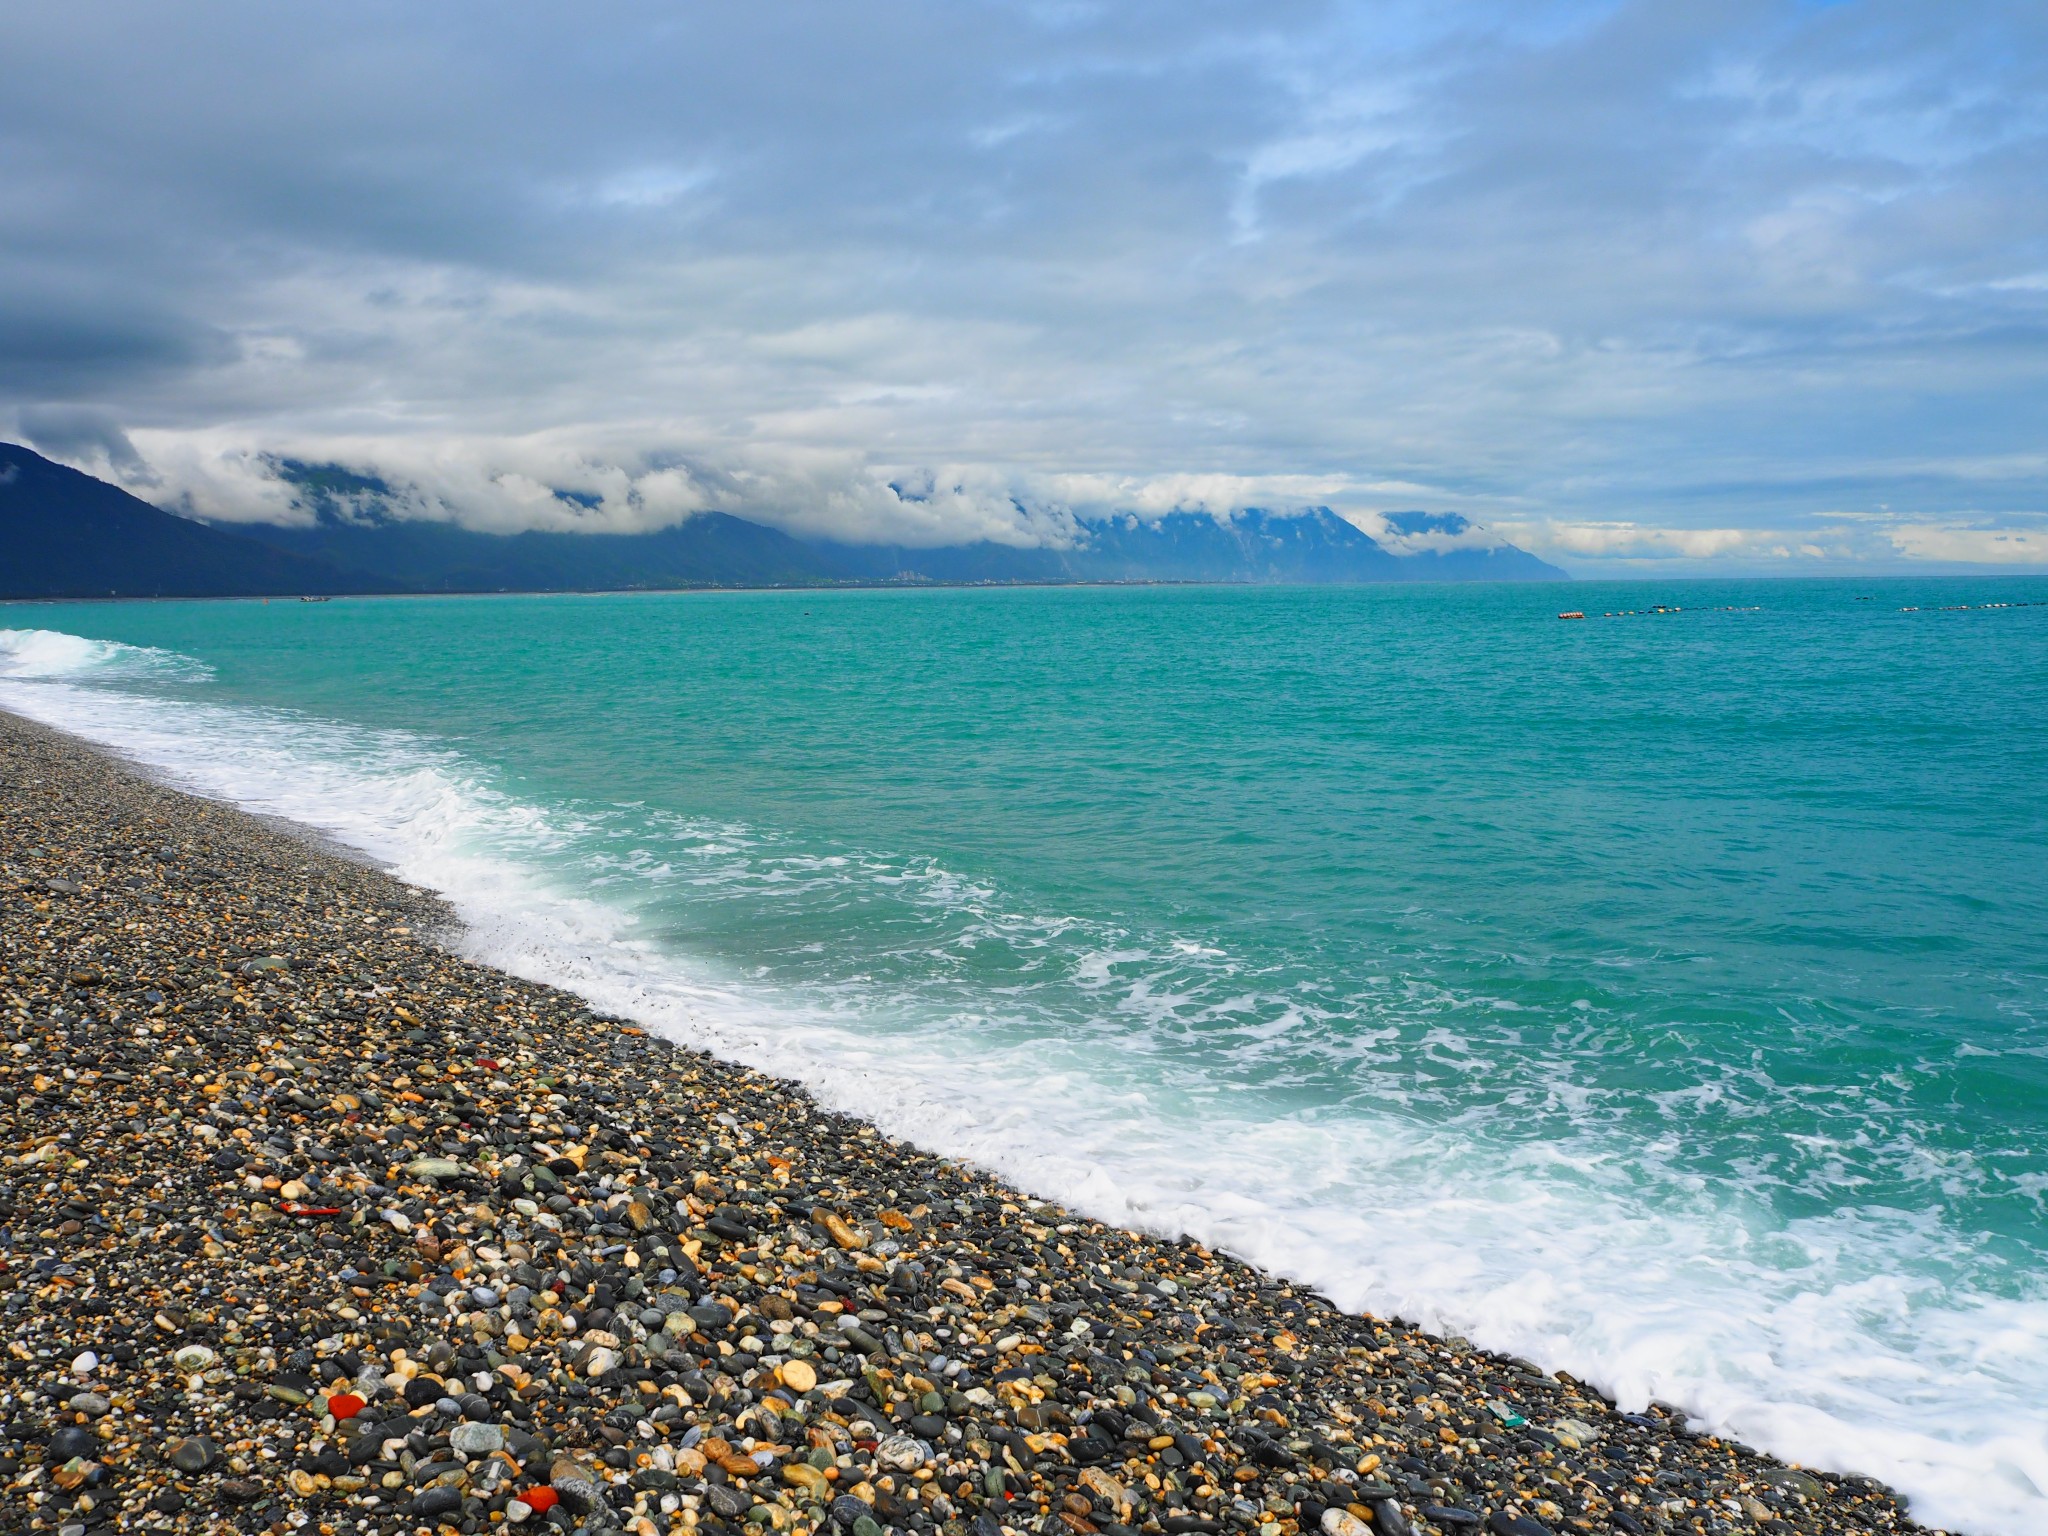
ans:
(65, 534)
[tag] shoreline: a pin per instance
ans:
(1998, 573)
(545, 1250)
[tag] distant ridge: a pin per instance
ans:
(65, 534)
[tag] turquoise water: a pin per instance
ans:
(1661, 996)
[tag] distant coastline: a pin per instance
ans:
(64, 534)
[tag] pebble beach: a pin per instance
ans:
(309, 1223)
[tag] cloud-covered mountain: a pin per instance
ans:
(63, 533)
(356, 519)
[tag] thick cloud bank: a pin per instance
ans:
(1752, 283)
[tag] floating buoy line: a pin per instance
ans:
(1662, 608)
(1974, 607)
(1666, 608)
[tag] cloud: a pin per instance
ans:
(1637, 541)
(1976, 546)
(1687, 268)
(1843, 542)
(639, 478)
(86, 436)
(636, 477)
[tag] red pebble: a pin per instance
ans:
(345, 1405)
(540, 1500)
(487, 1064)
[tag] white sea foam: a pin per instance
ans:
(50, 653)
(1830, 1340)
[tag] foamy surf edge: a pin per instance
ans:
(421, 811)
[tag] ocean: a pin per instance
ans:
(1662, 997)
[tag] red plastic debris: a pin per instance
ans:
(345, 1405)
(293, 1208)
(539, 1500)
(487, 1064)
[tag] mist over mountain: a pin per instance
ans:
(65, 534)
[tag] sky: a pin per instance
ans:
(1713, 288)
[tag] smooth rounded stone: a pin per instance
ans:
(85, 1364)
(1341, 1522)
(193, 1358)
(90, 1404)
(1452, 1518)
(807, 1478)
(846, 1509)
(901, 1453)
(426, 1471)
(193, 1454)
(798, 1375)
(1792, 1480)
(728, 1501)
(71, 1442)
(867, 1525)
(600, 1361)
(1576, 1434)
(421, 1392)
(476, 1439)
(579, 1484)
(437, 1501)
